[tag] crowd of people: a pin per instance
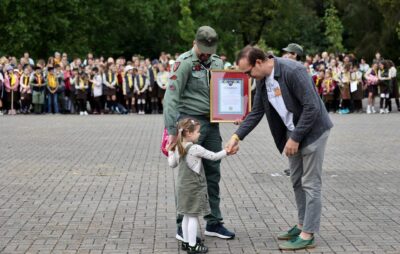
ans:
(98, 85)
(94, 85)
(342, 81)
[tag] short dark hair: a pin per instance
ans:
(252, 54)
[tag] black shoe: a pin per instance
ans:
(184, 246)
(287, 172)
(198, 248)
(219, 230)
(179, 236)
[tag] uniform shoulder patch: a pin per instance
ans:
(172, 88)
(176, 66)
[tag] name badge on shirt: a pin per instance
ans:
(277, 91)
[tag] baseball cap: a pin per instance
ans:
(294, 48)
(206, 39)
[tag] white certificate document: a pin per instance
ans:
(230, 96)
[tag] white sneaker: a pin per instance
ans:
(381, 111)
(85, 113)
(81, 113)
(386, 111)
(369, 110)
(1, 113)
(373, 110)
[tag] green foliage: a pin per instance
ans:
(334, 29)
(186, 24)
(120, 27)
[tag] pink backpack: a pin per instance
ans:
(164, 141)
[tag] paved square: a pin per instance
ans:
(98, 184)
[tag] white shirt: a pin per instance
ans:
(392, 72)
(97, 85)
(275, 98)
(194, 156)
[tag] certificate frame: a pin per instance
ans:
(239, 81)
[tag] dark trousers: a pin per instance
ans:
(210, 139)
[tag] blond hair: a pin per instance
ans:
(185, 126)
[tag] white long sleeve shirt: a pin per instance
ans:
(97, 86)
(194, 156)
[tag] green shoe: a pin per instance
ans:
(297, 244)
(292, 233)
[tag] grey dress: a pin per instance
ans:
(192, 196)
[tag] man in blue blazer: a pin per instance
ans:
(300, 126)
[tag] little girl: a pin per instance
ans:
(191, 187)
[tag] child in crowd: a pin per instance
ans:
(385, 87)
(357, 95)
(371, 77)
(25, 89)
(162, 82)
(328, 89)
(11, 86)
(38, 84)
(52, 86)
(192, 196)
(141, 85)
(97, 87)
(81, 83)
(344, 86)
(110, 82)
(128, 87)
(395, 87)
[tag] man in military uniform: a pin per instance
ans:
(187, 95)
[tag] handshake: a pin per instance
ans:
(232, 147)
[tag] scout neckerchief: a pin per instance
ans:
(13, 80)
(110, 77)
(328, 85)
(81, 84)
(141, 83)
(130, 81)
(25, 80)
(154, 73)
(39, 79)
(51, 81)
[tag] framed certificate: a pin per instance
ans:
(230, 95)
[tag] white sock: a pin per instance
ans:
(185, 222)
(192, 230)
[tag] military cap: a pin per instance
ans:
(207, 39)
(294, 48)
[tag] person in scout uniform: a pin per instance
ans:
(52, 87)
(153, 87)
(293, 51)
(128, 87)
(38, 84)
(11, 87)
(187, 95)
(81, 83)
(141, 85)
(110, 81)
(25, 89)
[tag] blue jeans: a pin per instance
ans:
(52, 99)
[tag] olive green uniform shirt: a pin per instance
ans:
(188, 91)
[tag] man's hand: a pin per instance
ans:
(291, 147)
(232, 147)
(171, 141)
(238, 121)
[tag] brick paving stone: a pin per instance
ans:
(99, 184)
